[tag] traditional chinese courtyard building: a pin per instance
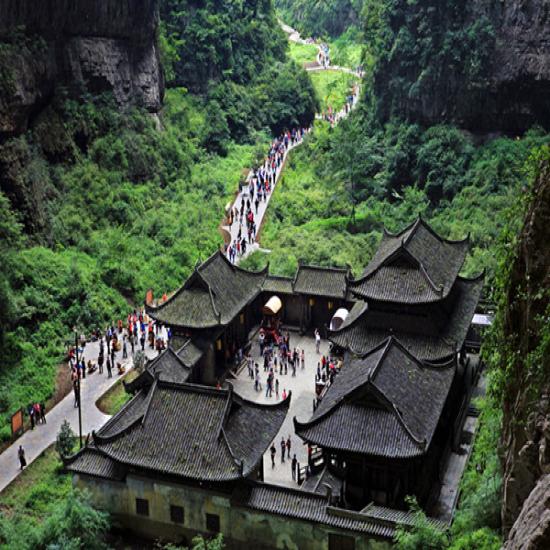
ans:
(385, 423)
(412, 290)
(211, 316)
(183, 458)
(382, 425)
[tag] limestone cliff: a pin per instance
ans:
(483, 64)
(526, 423)
(82, 46)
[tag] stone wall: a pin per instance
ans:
(526, 421)
(241, 527)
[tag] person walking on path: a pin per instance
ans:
(37, 416)
(277, 388)
(317, 341)
(294, 467)
(21, 455)
(124, 348)
(31, 415)
(288, 444)
(109, 368)
(75, 389)
(283, 447)
(43, 412)
(273, 452)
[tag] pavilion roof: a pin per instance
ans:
(415, 265)
(357, 334)
(185, 430)
(167, 367)
(278, 285)
(329, 282)
(212, 296)
(385, 403)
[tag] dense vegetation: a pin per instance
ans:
(347, 182)
(319, 17)
(384, 166)
(41, 510)
(100, 245)
(433, 58)
(128, 201)
(234, 54)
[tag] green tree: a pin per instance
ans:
(75, 524)
(216, 134)
(64, 442)
(421, 535)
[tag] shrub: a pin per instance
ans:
(64, 443)
(75, 524)
(421, 535)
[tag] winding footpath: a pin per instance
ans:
(231, 233)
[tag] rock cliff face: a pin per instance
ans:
(526, 422)
(81, 45)
(483, 65)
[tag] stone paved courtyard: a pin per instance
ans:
(301, 403)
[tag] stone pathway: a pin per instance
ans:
(259, 216)
(302, 387)
(233, 231)
(36, 441)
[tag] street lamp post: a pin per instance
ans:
(78, 387)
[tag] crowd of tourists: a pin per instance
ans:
(115, 345)
(278, 362)
(327, 369)
(37, 413)
(256, 190)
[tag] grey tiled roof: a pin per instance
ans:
(385, 403)
(399, 517)
(190, 431)
(212, 296)
(413, 266)
(358, 334)
(329, 282)
(278, 285)
(94, 463)
(130, 413)
(190, 353)
(167, 367)
(307, 506)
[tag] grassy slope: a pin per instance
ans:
(309, 214)
(302, 53)
(332, 88)
(116, 396)
(36, 491)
